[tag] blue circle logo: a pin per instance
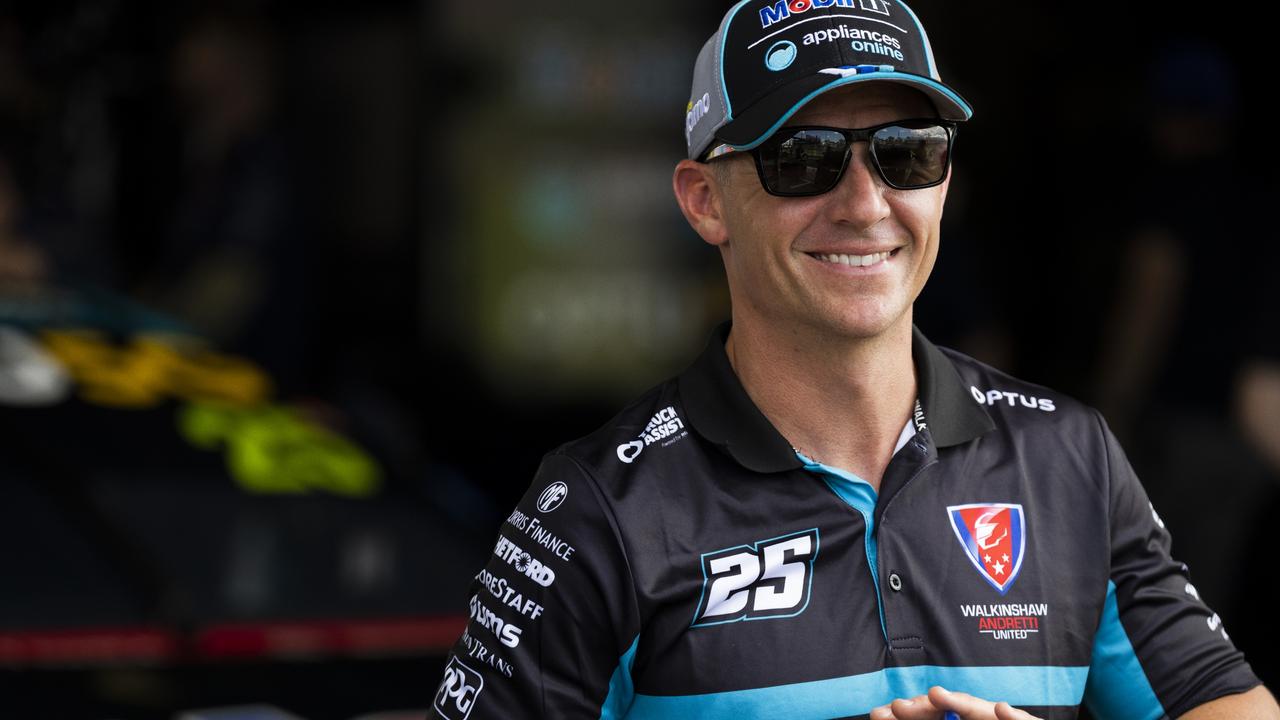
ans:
(781, 55)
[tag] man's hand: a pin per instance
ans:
(939, 700)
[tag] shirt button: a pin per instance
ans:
(895, 582)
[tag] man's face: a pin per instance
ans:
(778, 251)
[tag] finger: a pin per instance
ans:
(1004, 711)
(917, 708)
(968, 706)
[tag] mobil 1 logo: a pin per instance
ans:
(458, 691)
(765, 580)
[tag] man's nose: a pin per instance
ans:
(859, 198)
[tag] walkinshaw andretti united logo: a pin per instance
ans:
(994, 538)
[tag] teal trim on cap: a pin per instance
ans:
(900, 78)
(924, 39)
(724, 37)
(622, 690)
(1118, 687)
(1035, 686)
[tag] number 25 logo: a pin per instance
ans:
(767, 579)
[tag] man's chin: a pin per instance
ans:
(866, 324)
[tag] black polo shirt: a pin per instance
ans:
(685, 561)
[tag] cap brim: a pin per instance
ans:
(756, 123)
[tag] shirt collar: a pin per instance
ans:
(719, 409)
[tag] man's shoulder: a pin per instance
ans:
(651, 423)
(1013, 400)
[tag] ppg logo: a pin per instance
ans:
(767, 579)
(551, 498)
(458, 691)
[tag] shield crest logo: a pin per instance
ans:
(994, 538)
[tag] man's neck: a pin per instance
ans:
(840, 401)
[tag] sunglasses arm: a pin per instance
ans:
(719, 151)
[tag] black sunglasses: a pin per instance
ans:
(810, 160)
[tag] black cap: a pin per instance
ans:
(771, 57)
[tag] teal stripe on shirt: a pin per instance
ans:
(621, 689)
(859, 495)
(859, 694)
(1118, 687)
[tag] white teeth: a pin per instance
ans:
(856, 260)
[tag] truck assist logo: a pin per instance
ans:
(665, 425)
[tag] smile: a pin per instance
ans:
(855, 260)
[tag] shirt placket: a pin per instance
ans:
(899, 601)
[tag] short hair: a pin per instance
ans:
(721, 167)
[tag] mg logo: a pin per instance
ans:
(458, 691)
(551, 498)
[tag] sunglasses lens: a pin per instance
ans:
(806, 162)
(911, 155)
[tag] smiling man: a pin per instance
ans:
(826, 515)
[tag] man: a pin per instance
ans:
(827, 515)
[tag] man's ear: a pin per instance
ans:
(699, 193)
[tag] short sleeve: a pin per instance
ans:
(553, 619)
(1159, 651)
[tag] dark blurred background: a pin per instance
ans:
(294, 297)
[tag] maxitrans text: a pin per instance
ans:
(784, 9)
